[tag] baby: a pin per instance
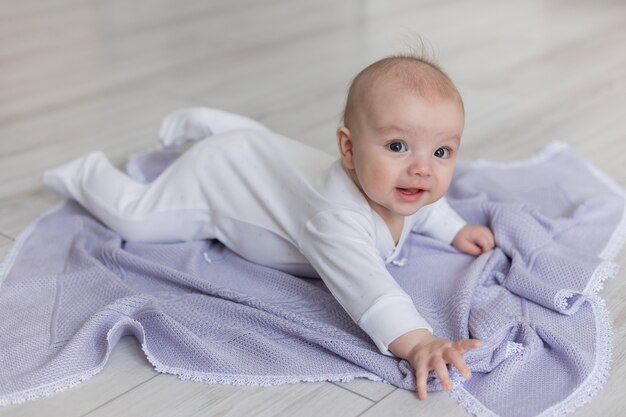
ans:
(282, 204)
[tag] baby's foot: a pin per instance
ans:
(65, 179)
(184, 125)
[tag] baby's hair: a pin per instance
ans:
(417, 73)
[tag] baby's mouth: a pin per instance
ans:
(410, 194)
(409, 190)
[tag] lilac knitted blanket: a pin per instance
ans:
(70, 288)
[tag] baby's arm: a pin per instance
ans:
(195, 123)
(352, 269)
(426, 352)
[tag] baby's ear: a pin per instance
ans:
(345, 147)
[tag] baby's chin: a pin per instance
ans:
(407, 209)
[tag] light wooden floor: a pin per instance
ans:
(76, 76)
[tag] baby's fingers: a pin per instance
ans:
(466, 344)
(421, 374)
(469, 247)
(442, 372)
(485, 241)
(456, 359)
(455, 356)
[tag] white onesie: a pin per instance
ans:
(272, 200)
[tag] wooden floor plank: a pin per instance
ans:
(126, 369)
(405, 403)
(372, 390)
(166, 395)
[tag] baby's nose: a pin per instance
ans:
(421, 168)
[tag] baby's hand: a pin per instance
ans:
(426, 352)
(474, 240)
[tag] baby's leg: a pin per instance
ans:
(169, 209)
(195, 123)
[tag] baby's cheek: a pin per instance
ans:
(445, 180)
(376, 177)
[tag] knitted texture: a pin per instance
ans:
(71, 288)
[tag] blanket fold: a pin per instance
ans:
(70, 289)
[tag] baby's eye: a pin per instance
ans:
(442, 153)
(397, 147)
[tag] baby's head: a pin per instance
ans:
(401, 133)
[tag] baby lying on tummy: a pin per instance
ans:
(285, 205)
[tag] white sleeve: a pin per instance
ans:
(195, 123)
(342, 250)
(439, 220)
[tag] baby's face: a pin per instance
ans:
(404, 150)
